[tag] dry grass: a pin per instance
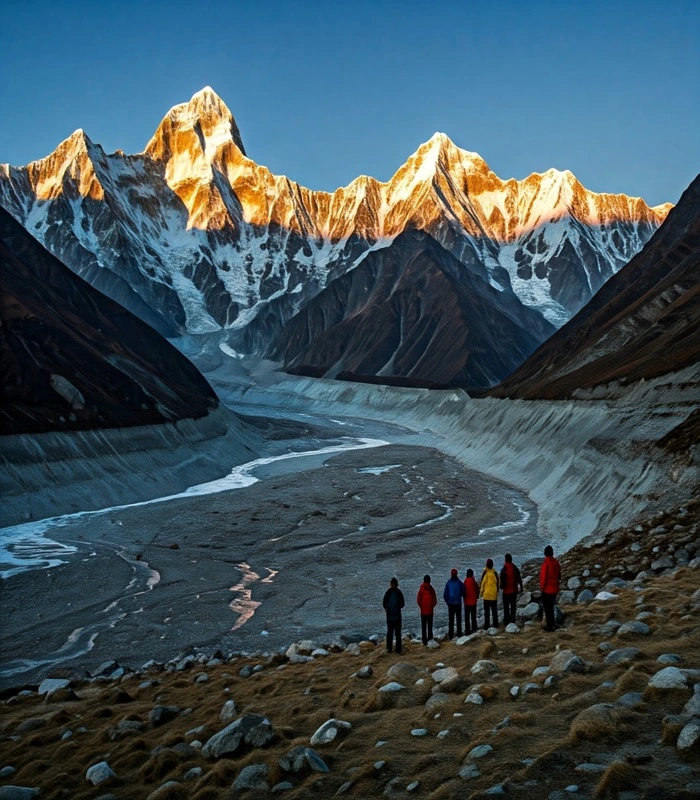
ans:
(540, 736)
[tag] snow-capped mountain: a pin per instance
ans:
(193, 236)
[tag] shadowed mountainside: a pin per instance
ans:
(642, 324)
(72, 359)
(411, 310)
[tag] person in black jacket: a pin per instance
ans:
(510, 583)
(393, 603)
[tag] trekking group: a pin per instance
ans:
(464, 594)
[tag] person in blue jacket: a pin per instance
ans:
(454, 597)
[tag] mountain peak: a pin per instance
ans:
(204, 115)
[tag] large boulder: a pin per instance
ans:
(302, 759)
(595, 722)
(250, 729)
(328, 731)
(566, 661)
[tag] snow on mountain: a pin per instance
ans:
(193, 236)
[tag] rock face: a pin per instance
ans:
(642, 324)
(72, 359)
(191, 235)
(412, 310)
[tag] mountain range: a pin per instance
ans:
(194, 237)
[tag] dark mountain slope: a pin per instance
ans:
(412, 310)
(643, 323)
(71, 358)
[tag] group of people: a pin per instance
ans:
(465, 594)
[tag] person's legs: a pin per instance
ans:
(389, 634)
(424, 627)
(470, 618)
(459, 619)
(451, 622)
(430, 626)
(509, 607)
(548, 601)
(490, 613)
(397, 629)
(487, 613)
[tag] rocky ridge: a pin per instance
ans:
(606, 706)
(193, 236)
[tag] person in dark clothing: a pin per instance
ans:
(511, 582)
(471, 595)
(454, 597)
(427, 600)
(393, 603)
(550, 575)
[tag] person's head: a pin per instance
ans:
(548, 551)
(453, 572)
(489, 563)
(470, 573)
(509, 558)
(394, 582)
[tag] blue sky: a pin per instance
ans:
(325, 91)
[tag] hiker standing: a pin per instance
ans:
(427, 600)
(454, 597)
(550, 575)
(393, 603)
(471, 595)
(488, 586)
(511, 582)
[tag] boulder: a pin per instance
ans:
(479, 751)
(159, 715)
(10, 792)
(391, 687)
(52, 684)
(530, 612)
(250, 729)
(585, 597)
(665, 562)
(436, 702)
(127, 727)
(228, 711)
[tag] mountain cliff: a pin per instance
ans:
(411, 310)
(642, 324)
(72, 359)
(192, 236)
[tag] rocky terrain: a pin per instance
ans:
(192, 236)
(608, 706)
(641, 325)
(72, 359)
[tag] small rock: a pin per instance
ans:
(253, 776)
(162, 714)
(511, 627)
(252, 729)
(574, 583)
(413, 786)
(669, 678)
(514, 691)
(391, 687)
(634, 628)
(127, 727)
(567, 661)
(585, 597)
(595, 721)
(52, 684)
(605, 596)
(282, 786)
(98, 773)
(480, 751)
(531, 611)
(692, 707)
(228, 711)
(365, 672)
(302, 759)
(5, 772)
(469, 772)
(192, 773)
(669, 658)
(588, 768)
(661, 563)
(436, 701)
(630, 700)
(9, 792)
(419, 732)
(328, 731)
(624, 655)
(484, 668)
(689, 737)
(475, 698)
(531, 687)
(445, 674)
(539, 671)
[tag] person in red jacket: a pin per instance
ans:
(471, 588)
(550, 575)
(427, 600)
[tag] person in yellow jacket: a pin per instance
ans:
(488, 589)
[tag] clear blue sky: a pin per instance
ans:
(325, 91)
